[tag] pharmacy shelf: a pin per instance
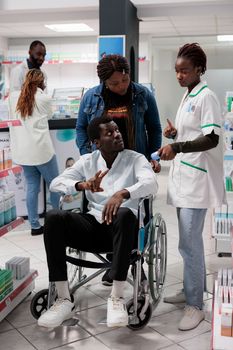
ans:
(21, 289)
(62, 61)
(219, 342)
(13, 224)
(15, 170)
(67, 61)
(223, 247)
(223, 237)
(10, 122)
(223, 227)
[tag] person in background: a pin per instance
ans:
(37, 52)
(110, 224)
(196, 175)
(31, 144)
(131, 106)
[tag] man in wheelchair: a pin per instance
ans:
(114, 180)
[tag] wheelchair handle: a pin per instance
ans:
(140, 204)
(141, 200)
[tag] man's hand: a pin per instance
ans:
(170, 131)
(166, 153)
(155, 166)
(93, 184)
(112, 206)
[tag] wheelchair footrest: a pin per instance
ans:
(86, 263)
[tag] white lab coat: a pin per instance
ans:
(31, 142)
(196, 179)
(18, 74)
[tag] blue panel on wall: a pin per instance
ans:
(111, 44)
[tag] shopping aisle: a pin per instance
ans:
(19, 331)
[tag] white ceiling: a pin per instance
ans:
(164, 21)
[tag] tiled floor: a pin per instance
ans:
(19, 330)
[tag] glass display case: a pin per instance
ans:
(149, 86)
(66, 101)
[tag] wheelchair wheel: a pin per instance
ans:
(141, 320)
(74, 272)
(39, 303)
(157, 257)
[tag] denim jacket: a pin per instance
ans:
(148, 132)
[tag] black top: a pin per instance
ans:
(119, 108)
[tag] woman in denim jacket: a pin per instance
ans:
(132, 107)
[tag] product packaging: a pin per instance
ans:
(226, 320)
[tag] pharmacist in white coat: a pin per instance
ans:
(37, 53)
(196, 174)
(31, 144)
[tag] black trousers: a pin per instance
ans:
(82, 231)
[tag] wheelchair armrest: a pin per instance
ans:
(141, 200)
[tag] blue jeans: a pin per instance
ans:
(191, 247)
(33, 175)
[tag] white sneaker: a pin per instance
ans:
(61, 310)
(179, 297)
(117, 315)
(191, 319)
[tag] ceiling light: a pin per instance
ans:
(69, 27)
(225, 37)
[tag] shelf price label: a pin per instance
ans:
(8, 301)
(9, 228)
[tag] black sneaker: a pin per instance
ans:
(37, 231)
(106, 280)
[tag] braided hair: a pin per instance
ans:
(26, 102)
(194, 53)
(110, 64)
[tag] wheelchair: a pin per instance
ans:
(147, 286)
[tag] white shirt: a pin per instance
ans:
(18, 74)
(130, 170)
(31, 143)
(196, 179)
